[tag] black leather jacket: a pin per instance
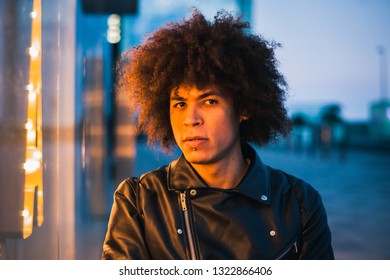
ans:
(170, 213)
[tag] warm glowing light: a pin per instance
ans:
(33, 51)
(31, 165)
(34, 14)
(37, 155)
(29, 125)
(33, 162)
(25, 213)
(32, 96)
(30, 87)
(31, 136)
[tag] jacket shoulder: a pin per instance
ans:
(156, 173)
(307, 196)
(132, 182)
(302, 189)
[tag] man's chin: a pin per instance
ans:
(198, 159)
(193, 160)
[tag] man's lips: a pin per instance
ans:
(195, 142)
(194, 139)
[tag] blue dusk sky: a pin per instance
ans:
(329, 50)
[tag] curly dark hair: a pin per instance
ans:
(199, 52)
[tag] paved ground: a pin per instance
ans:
(355, 191)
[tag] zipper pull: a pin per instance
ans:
(296, 247)
(187, 224)
(183, 201)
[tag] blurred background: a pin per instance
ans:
(66, 135)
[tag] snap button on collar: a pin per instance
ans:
(193, 192)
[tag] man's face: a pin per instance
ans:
(205, 125)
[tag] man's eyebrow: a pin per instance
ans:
(208, 94)
(176, 97)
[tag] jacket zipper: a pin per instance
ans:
(187, 223)
(288, 249)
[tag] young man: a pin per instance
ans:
(210, 88)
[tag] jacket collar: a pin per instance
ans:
(255, 184)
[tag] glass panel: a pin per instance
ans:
(37, 128)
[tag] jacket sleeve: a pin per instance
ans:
(316, 236)
(125, 233)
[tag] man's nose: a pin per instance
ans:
(193, 116)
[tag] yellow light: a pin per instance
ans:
(31, 136)
(31, 165)
(32, 96)
(30, 87)
(28, 219)
(40, 193)
(37, 155)
(25, 213)
(34, 14)
(29, 125)
(33, 51)
(33, 161)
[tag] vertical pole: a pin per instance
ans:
(382, 72)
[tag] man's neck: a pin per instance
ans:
(223, 175)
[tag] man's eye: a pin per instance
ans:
(211, 102)
(179, 105)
